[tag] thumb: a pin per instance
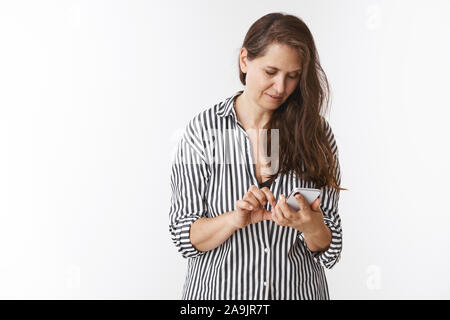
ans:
(316, 204)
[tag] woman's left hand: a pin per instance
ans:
(308, 219)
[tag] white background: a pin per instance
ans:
(94, 94)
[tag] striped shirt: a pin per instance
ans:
(211, 169)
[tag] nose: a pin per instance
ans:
(279, 86)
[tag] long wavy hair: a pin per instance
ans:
(304, 144)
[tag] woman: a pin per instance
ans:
(228, 213)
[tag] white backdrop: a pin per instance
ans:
(94, 94)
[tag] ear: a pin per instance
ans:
(243, 60)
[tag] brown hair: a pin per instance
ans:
(304, 135)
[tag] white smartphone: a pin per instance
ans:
(309, 194)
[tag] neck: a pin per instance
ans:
(249, 114)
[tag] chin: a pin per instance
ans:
(272, 106)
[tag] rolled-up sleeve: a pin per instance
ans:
(188, 183)
(329, 206)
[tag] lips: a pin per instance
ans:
(275, 97)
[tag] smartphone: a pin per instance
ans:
(309, 194)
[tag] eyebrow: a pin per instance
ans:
(279, 69)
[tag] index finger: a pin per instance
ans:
(269, 196)
(258, 194)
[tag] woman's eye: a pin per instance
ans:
(272, 73)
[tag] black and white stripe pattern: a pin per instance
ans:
(210, 172)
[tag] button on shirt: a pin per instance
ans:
(211, 169)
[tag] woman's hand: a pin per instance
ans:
(308, 219)
(251, 208)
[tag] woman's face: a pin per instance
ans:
(276, 74)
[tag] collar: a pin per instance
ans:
(227, 107)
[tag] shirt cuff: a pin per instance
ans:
(329, 257)
(180, 236)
